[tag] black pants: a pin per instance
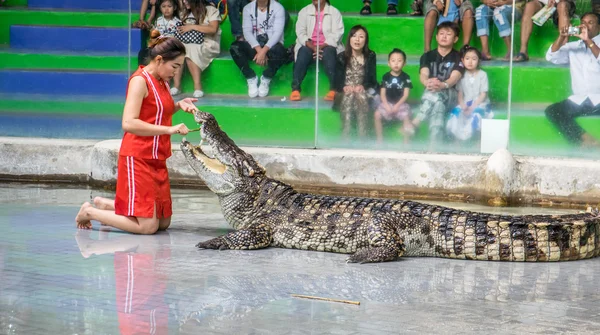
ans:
(563, 114)
(305, 58)
(242, 53)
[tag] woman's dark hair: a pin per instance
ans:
(348, 49)
(198, 8)
(466, 49)
(397, 51)
(168, 48)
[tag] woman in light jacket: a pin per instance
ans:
(317, 27)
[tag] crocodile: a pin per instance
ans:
(265, 212)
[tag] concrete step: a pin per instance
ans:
(46, 38)
(108, 5)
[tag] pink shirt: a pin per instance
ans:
(318, 31)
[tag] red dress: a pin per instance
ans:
(142, 176)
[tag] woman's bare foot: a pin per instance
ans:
(82, 221)
(103, 203)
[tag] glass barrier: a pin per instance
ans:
(248, 85)
(64, 68)
(551, 113)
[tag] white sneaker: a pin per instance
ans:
(198, 94)
(263, 89)
(252, 87)
(174, 91)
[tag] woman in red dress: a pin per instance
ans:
(143, 201)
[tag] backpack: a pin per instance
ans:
(221, 5)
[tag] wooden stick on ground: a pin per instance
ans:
(326, 299)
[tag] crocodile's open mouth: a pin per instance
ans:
(209, 163)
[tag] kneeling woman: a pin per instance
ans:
(143, 200)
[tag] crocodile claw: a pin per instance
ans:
(215, 243)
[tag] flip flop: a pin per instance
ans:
(485, 58)
(521, 57)
(366, 10)
(416, 13)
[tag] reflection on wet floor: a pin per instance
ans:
(55, 279)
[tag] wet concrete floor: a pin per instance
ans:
(55, 279)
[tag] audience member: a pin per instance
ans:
(319, 34)
(356, 81)
(202, 46)
(441, 69)
(143, 22)
(439, 11)
(391, 9)
(501, 12)
(394, 91)
(166, 24)
(561, 17)
(583, 57)
(263, 23)
(473, 100)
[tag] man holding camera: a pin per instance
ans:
(583, 57)
(263, 22)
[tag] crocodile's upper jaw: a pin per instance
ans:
(228, 167)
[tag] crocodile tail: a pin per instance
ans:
(541, 238)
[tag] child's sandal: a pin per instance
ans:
(391, 10)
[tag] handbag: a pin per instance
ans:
(190, 37)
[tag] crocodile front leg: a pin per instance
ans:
(254, 237)
(384, 244)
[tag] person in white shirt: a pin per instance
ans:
(583, 57)
(263, 22)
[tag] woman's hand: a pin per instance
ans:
(180, 129)
(184, 29)
(348, 89)
(359, 88)
(187, 105)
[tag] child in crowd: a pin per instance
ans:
(441, 69)
(473, 100)
(201, 35)
(395, 88)
(356, 81)
(166, 24)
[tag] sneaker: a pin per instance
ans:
(253, 87)
(295, 96)
(330, 96)
(263, 89)
(198, 94)
(174, 91)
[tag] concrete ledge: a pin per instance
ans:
(497, 179)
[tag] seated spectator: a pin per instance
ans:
(464, 123)
(583, 57)
(562, 18)
(263, 23)
(147, 7)
(501, 12)
(324, 31)
(355, 82)
(166, 24)
(448, 10)
(234, 8)
(391, 9)
(394, 91)
(441, 69)
(202, 46)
